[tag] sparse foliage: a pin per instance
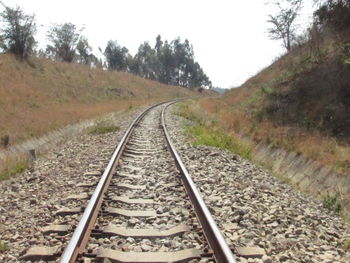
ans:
(334, 14)
(103, 126)
(333, 202)
(17, 31)
(3, 246)
(84, 51)
(64, 39)
(283, 23)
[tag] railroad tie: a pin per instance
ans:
(146, 257)
(77, 197)
(144, 233)
(128, 200)
(59, 229)
(68, 211)
(42, 253)
(131, 213)
(132, 176)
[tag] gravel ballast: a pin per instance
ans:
(254, 210)
(30, 201)
(154, 177)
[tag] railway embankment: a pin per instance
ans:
(256, 209)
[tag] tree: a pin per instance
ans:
(17, 31)
(2, 44)
(84, 52)
(183, 57)
(283, 22)
(170, 63)
(167, 64)
(147, 61)
(159, 44)
(334, 14)
(64, 39)
(116, 56)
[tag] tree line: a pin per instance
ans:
(171, 63)
(167, 62)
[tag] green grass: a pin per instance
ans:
(333, 203)
(103, 126)
(185, 112)
(3, 246)
(12, 170)
(204, 135)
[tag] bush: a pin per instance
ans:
(3, 246)
(335, 14)
(15, 168)
(17, 31)
(103, 126)
(204, 135)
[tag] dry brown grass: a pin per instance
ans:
(40, 95)
(236, 121)
(286, 105)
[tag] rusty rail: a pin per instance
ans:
(81, 234)
(77, 244)
(217, 243)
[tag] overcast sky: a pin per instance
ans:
(229, 37)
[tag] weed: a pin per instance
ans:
(268, 90)
(33, 105)
(347, 244)
(16, 168)
(333, 202)
(103, 126)
(205, 132)
(187, 113)
(130, 107)
(204, 135)
(3, 246)
(342, 165)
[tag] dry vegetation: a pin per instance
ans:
(299, 103)
(39, 95)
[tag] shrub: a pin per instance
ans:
(15, 168)
(17, 31)
(333, 202)
(3, 246)
(103, 126)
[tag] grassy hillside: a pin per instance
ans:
(40, 95)
(300, 103)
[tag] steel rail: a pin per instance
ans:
(222, 252)
(80, 236)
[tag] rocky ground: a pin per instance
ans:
(150, 175)
(253, 208)
(256, 210)
(30, 201)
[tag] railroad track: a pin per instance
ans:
(145, 207)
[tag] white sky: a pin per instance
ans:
(229, 37)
